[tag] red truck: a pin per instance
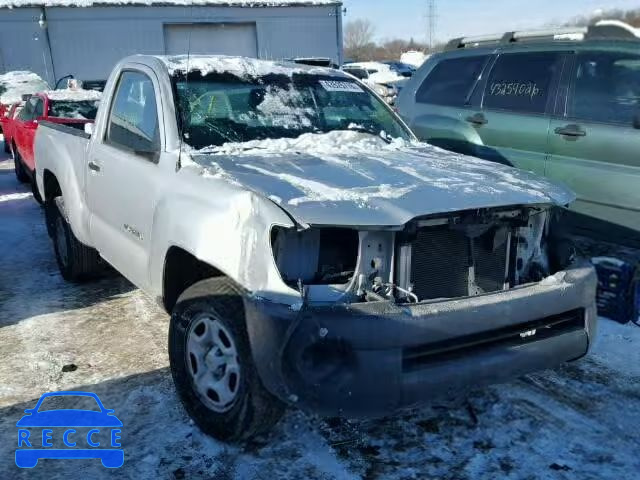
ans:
(74, 108)
(7, 122)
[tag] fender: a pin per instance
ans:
(228, 230)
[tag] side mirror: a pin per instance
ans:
(26, 97)
(89, 128)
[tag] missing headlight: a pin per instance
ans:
(318, 256)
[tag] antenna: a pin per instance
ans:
(432, 20)
(186, 78)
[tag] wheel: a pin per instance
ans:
(212, 365)
(18, 167)
(75, 260)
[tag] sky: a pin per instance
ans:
(457, 18)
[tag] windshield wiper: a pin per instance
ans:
(371, 131)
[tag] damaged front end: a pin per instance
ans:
(433, 258)
(393, 317)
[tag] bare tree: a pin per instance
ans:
(358, 39)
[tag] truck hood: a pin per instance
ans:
(381, 187)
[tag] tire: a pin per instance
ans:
(217, 302)
(18, 167)
(76, 261)
(35, 191)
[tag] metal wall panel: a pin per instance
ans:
(87, 42)
(206, 38)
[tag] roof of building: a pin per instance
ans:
(197, 3)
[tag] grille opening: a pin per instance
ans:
(418, 357)
(454, 263)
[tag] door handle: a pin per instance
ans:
(93, 166)
(571, 131)
(477, 119)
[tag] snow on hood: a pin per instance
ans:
(13, 85)
(356, 179)
(231, 3)
(73, 95)
(242, 67)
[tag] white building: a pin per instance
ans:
(85, 38)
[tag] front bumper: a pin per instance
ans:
(370, 359)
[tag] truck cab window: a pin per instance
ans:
(133, 121)
(27, 113)
(607, 88)
(38, 110)
(522, 82)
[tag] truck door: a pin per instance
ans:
(518, 97)
(24, 126)
(124, 174)
(595, 140)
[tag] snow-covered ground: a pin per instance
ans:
(581, 421)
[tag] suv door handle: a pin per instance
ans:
(94, 166)
(571, 131)
(477, 119)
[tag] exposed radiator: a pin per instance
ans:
(445, 263)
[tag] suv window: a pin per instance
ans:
(133, 122)
(450, 82)
(607, 88)
(522, 82)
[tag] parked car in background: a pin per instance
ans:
(7, 122)
(380, 77)
(14, 85)
(310, 251)
(565, 104)
(74, 108)
(402, 69)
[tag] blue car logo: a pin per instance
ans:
(69, 433)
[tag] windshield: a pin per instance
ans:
(80, 110)
(222, 108)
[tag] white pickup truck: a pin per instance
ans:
(309, 250)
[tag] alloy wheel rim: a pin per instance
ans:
(212, 359)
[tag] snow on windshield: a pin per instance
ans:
(13, 85)
(340, 141)
(239, 66)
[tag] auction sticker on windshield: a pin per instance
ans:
(339, 86)
(66, 426)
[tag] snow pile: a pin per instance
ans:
(73, 95)
(239, 66)
(414, 57)
(231, 3)
(13, 85)
(338, 141)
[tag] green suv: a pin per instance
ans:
(564, 104)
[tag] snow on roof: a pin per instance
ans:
(240, 66)
(73, 95)
(13, 85)
(222, 3)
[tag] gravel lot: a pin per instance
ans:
(581, 421)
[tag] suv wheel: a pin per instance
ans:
(75, 260)
(212, 365)
(18, 167)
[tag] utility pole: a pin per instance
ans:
(432, 20)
